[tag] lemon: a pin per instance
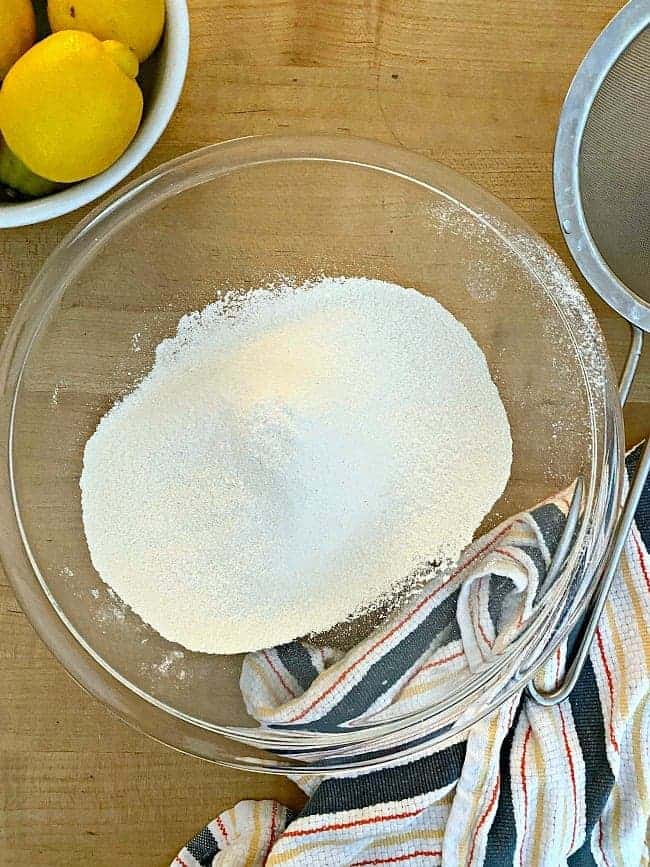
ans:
(136, 23)
(70, 106)
(17, 31)
(123, 56)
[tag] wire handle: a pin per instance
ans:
(617, 545)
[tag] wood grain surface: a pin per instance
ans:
(475, 84)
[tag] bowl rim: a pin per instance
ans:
(163, 722)
(172, 71)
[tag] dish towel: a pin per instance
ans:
(528, 785)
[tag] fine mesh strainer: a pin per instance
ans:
(602, 195)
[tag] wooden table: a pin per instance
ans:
(476, 84)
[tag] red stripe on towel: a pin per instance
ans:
(277, 674)
(419, 853)
(610, 686)
(481, 821)
(340, 826)
(522, 769)
(572, 774)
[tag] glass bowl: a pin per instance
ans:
(236, 215)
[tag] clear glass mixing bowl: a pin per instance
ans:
(236, 215)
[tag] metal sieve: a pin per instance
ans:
(602, 195)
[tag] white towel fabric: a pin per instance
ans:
(528, 785)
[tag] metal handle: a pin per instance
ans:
(593, 613)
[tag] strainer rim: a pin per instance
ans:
(621, 31)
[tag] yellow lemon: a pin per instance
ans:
(136, 23)
(17, 31)
(70, 106)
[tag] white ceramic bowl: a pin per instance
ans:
(170, 66)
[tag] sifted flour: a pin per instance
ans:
(291, 457)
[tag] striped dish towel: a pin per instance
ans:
(529, 785)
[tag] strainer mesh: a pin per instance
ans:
(615, 167)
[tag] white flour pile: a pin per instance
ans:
(292, 455)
